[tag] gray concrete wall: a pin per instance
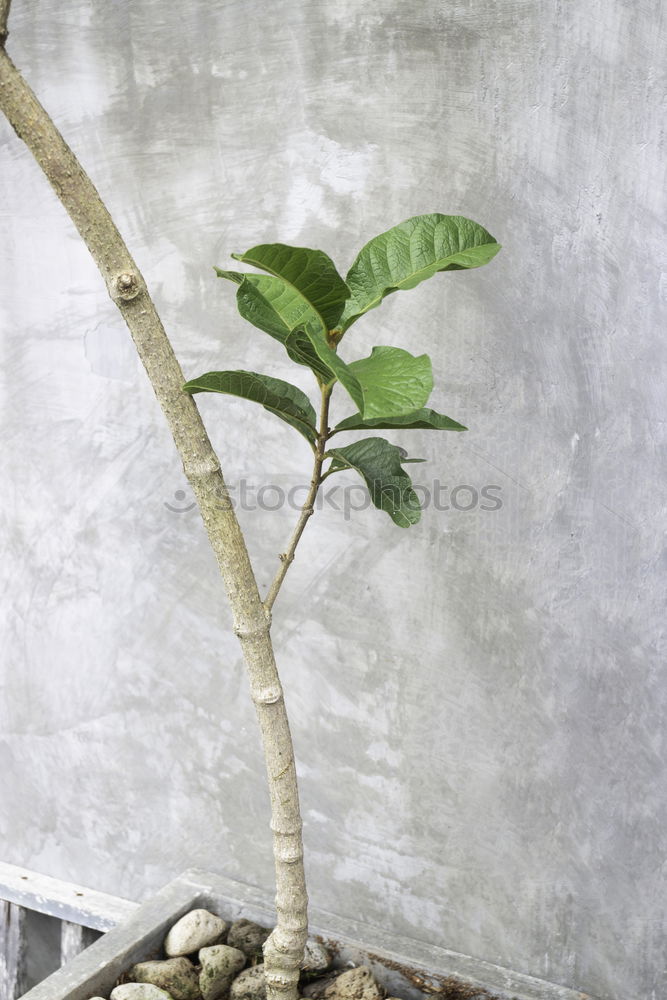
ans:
(478, 704)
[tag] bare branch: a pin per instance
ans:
(128, 289)
(284, 949)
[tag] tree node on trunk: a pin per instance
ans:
(284, 950)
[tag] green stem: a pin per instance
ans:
(308, 509)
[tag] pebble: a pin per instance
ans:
(175, 975)
(139, 991)
(250, 985)
(355, 984)
(219, 965)
(248, 937)
(197, 929)
(316, 957)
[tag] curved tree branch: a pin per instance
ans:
(284, 949)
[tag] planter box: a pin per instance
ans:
(405, 967)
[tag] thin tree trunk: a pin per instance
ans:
(284, 950)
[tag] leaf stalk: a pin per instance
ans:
(317, 478)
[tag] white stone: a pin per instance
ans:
(197, 929)
(355, 984)
(139, 991)
(250, 985)
(177, 976)
(248, 936)
(219, 965)
(316, 958)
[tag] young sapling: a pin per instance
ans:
(302, 301)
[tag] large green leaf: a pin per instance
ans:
(311, 273)
(277, 309)
(335, 364)
(285, 400)
(379, 463)
(270, 304)
(424, 419)
(393, 382)
(281, 311)
(411, 252)
(390, 382)
(301, 350)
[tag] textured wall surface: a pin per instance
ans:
(478, 703)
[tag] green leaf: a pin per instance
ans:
(390, 382)
(269, 304)
(393, 382)
(234, 276)
(275, 308)
(411, 252)
(285, 400)
(301, 350)
(379, 463)
(281, 311)
(311, 273)
(335, 364)
(424, 419)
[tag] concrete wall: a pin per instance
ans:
(478, 703)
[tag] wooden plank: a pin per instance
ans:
(74, 939)
(64, 900)
(12, 951)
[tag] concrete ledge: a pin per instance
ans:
(63, 900)
(404, 966)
